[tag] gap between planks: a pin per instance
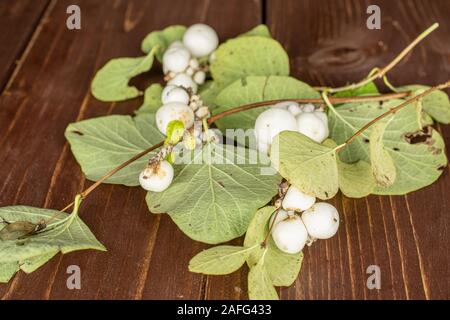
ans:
(24, 53)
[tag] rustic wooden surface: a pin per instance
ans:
(328, 42)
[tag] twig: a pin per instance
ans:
(218, 116)
(381, 72)
(392, 111)
(264, 242)
(381, 97)
(86, 192)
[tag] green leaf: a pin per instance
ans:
(418, 164)
(356, 180)
(260, 30)
(65, 234)
(348, 118)
(260, 285)
(219, 260)
(288, 264)
(256, 89)
(8, 270)
(152, 99)
(162, 39)
(208, 93)
(256, 232)
(251, 55)
(275, 259)
(216, 192)
(35, 263)
(103, 143)
(111, 81)
(436, 104)
(309, 166)
(367, 89)
(383, 165)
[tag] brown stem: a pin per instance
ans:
(392, 111)
(86, 192)
(218, 116)
(381, 97)
(264, 243)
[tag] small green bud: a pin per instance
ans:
(175, 131)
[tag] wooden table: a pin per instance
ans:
(45, 72)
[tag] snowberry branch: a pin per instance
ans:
(377, 73)
(382, 72)
(381, 97)
(387, 113)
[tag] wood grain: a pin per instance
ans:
(24, 16)
(329, 44)
(148, 256)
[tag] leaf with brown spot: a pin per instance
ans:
(383, 166)
(436, 104)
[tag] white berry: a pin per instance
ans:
(308, 107)
(290, 235)
(294, 109)
(189, 71)
(281, 216)
(183, 80)
(202, 112)
(177, 44)
(321, 220)
(291, 106)
(199, 77)
(323, 116)
(194, 64)
(200, 39)
(312, 126)
(176, 59)
(194, 105)
(271, 122)
(296, 200)
(174, 94)
(174, 111)
(157, 179)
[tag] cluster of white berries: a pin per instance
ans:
(290, 116)
(291, 232)
(183, 73)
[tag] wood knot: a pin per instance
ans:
(337, 56)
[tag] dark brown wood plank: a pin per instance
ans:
(148, 255)
(24, 16)
(329, 44)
